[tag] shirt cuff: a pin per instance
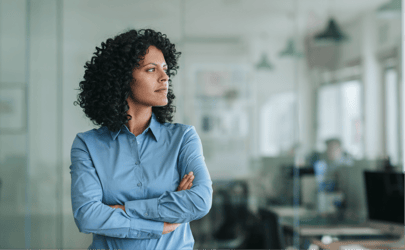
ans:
(146, 229)
(145, 209)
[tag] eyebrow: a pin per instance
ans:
(153, 64)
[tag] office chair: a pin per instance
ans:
(233, 230)
(274, 238)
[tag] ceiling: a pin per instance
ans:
(216, 19)
(279, 18)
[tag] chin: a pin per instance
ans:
(161, 104)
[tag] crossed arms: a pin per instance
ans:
(140, 219)
(185, 184)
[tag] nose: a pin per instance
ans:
(164, 77)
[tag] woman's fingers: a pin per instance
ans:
(189, 181)
(185, 182)
(182, 183)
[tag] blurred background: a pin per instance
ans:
(293, 101)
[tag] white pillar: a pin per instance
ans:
(306, 109)
(403, 85)
(373, 112)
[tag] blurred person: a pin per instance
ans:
(327, 163)
(326, 167)
(334, 154)
(138, 180)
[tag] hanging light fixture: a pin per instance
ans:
(264, 63)
(290, 50)
(331, 34)
(390, 10)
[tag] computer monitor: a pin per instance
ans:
(352, 181)
(385, 196)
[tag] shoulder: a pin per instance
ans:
(95, 132)
(178, 128)
(179, 131)
(91, 135)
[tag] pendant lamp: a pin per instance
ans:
(264, 63)
(390, 10)
(331, 34)
(290, 50)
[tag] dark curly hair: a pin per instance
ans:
(108, 77)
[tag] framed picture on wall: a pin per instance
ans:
(12, 108)
(221, 96)
(221, 80)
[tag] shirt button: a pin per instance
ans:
(139, 184)
(137, 163)
(146, 214)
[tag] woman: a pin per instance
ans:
(127, 185)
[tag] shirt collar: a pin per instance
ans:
(154, 126)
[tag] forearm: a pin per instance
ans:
(174, 207)
(95, 217)
(183, 206)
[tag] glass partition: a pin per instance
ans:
(292, 101)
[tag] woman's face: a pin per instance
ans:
(151, 81)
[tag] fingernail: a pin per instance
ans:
(191, 173)
(185, 176)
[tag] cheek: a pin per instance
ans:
(142, 85)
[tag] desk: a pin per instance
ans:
(376, 244)
(311, 226)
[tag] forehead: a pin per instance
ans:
(153, 55)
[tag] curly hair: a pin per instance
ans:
(108, 77)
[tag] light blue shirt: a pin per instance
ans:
(141, 172)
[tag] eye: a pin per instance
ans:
(151, 70)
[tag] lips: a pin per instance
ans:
(164, 89)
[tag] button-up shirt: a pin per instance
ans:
(141, 172)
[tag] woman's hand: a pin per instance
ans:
(169, 227)
(118, 206)
(186, 182)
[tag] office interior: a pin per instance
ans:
(284, 95)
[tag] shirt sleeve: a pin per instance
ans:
(183, 206)
(90, 214)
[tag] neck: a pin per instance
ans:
(141, 116)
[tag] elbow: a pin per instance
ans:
(202, 211)
(207, 207)
(81, 216)
(81, 224)
(203, 208)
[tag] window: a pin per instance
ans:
(278, 121)
(339, 115)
